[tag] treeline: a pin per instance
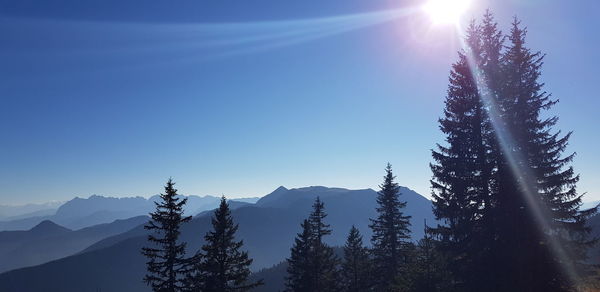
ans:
(219, 265)
(391, 263)
(504, 193)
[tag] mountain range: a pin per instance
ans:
(48, 241)
(267, 227)
(81, 212)
(107, 257)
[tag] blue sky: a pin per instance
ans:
(239, 97)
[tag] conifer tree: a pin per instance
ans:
(506, 196)
(490, 84)
(313, 264)
(356, 267)
(391, 234)
(453, 169)
(166, 263)
(542, 233)
(299, 275)
(222, 265)
(324, 262)
(463, 169)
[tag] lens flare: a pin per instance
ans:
(446, 11)
(516, 160)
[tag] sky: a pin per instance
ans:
(237, 98)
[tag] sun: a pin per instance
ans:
(446, 11)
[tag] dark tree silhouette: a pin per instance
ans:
(462, 169)
(542, 233)
(506, 196)
(356, 267)
(166, 263)
(299, 274)
(324, 261)
(313, 264)
(391, 234)
(221, 266)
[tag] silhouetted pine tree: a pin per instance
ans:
(462, 169)
(299, 274)
(166, 263)
(356, 267)
(323, 259)
(391, 234)
(221, 266)
(490, 84)
(313, 264)
(502, 187)
(542, 237)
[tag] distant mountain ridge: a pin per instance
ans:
(81, 212)
(268, 229)
(49, 241)
(15, 212)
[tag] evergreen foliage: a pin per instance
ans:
(356, 267)
(166, 262)
(391, 234)
(501, 185)
(429, 266)
(324, 260)
(222, 265)
(313, 264)
(541, 229)
(462, 169)
(299, 276)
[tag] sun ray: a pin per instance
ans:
(515, 161)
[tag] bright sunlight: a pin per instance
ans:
(446, 11)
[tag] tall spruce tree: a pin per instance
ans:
(391, 234)
(489, 83)
(166, 262)
(221, 266)
(462, 169)
(502, 187)
(324, 262)
(299, 274)
(356, 267)
(542, 235)
(313, 265)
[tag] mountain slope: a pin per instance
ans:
(48, 241)
(80, 212)
(101, 270)
(273, 277)
(268, 230)
(10, 240)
